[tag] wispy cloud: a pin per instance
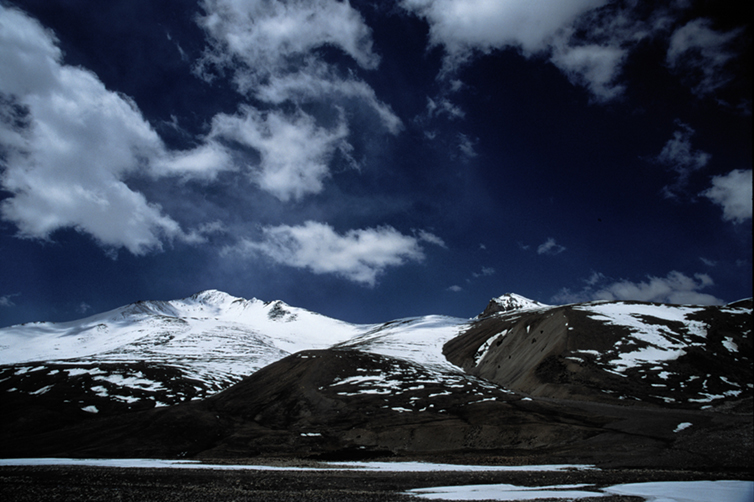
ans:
(550, 247)
(295, 152)
(357, 255)
(732, 192)
(485, 272)
(467, 146)
(271, 51)
(708, 262)
(539, 27)
(465, 27)
(700, 54)
(676, 288)
(70, 144)
(681, 158)
(6, 300)
(261, 39)
(588, 40)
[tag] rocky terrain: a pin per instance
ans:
(616, 384)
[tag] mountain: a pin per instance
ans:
(613, 383)
(160, 352)
(511, 302)
(679, 356)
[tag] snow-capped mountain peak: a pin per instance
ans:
(511, 302)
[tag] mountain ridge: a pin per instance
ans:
(212, 375)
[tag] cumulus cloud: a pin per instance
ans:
(295, 152)
(463, 27)
(733, 192)
(588, 40)
(679, 157)
(357, 255)
(550, 247)
(272, 51)
(701, 54)
(676, 288)
(593, 66)
(67, 145)
(588, 53)
(271, 37)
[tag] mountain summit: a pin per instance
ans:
(613, 383)
(511, 302)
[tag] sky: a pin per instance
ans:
(373, 160)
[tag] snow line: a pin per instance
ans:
(328, 466)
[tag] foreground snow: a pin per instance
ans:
(658, 491)
(149, 463)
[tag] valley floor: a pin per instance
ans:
(80, 483)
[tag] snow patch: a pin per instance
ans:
(682, 426)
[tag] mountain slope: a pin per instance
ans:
(676, 355)
(614, 383)
(159, 353)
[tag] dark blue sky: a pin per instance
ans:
(372, 160)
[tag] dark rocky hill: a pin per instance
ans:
(675, 356)
(616, 384)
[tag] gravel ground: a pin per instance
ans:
(72, 484)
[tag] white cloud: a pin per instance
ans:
(443, 106)
(701, 53)
(465, 26)
(534, 27)
(466, 146)
(203, 162)
(708, 262)
(272, 51)
(485, 272)
(550, 247)
(676, 288)
(317, 81)
(733, 192)
(6, 301)
(678, 155)
(431, 238)
(455, 288)
(358, 255)
(593, 66)
(588, 40)
(70, 145)
(295, 153)
(270, 37)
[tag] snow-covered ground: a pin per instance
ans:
(657, 491)
(416, 339)
(361, 466)
(650, 340)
